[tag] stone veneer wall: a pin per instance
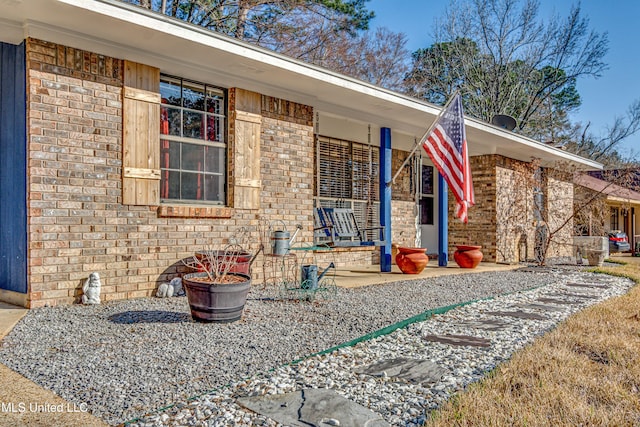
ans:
(77, 222)
(515, 222)
(559, 197)
(503, 215)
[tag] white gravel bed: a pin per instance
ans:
(126, 359)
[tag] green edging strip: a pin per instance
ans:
(371, 335)
(389, 329)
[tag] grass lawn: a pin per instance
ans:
(586, 372)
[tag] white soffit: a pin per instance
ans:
(117, 29)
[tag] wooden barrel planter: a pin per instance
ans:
(216, 302)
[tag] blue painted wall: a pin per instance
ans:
(13, 169)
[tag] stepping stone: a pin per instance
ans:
(459, 340)
(558, 301)
(518, 314)
(543, 307)
(485, 324)
(313, 407)
(413, 370)
(587, 285)
(572, 295)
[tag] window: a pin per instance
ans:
(348, 177)
(426, 196)
(615, 217)
(426, 210)
(192, 142)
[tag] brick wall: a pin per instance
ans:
(481, 227)
(404, 186)
(403, 218)
(74, 153)
(77, 222)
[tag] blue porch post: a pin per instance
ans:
(443, 221)
(385, 198)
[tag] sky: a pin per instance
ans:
(603, 99)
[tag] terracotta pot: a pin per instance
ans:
(467, 256)
(411, 260)
(216, 302)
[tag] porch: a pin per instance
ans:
(366, 275)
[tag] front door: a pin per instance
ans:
(428, 210)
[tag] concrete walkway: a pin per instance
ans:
(371, 275)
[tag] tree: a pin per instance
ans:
(504, 60)
(259, 21)
(603, 148)
(330, 33)
(378, 57)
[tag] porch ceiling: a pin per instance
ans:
(113, 28)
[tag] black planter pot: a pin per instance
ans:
(220, 303)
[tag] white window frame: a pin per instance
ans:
(219, 142)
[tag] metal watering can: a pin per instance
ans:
(309, 276)
(281, 242)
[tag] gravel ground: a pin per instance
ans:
(124, 359)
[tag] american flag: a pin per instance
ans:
(446, 145)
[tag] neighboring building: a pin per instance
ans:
(613, 208)
(128, 140)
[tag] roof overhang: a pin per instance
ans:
(118, 29)
(613, 192)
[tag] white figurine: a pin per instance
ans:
(171, 289)
(91, 289)
(178, 290)
(162, 290)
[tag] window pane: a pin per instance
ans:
(192, 157)
(215, 127)
(426, 211)
(170, 91)
(192, 186)
(365, 172)
(215, 102)
(427, 179)
(335, 179)
(170, 185)
(193, 123)
(214, 159)
(170, 121)
(193, 95)
(169, 154)
(214, 185)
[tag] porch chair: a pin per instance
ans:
(338, 227)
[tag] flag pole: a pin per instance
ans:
(424, 137)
